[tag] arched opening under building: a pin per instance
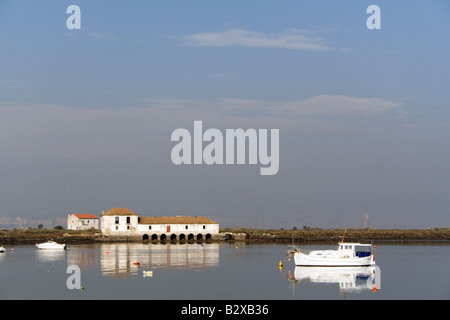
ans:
(208, 237)
(173, 237)
(145, 237)
(228, 236)
(190, 237)
(154, 237)
(199, 237)
(162, 237)
(182, 237)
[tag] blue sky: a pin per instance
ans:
(86, 115)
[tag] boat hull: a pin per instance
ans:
(307, 260)
(51, 246)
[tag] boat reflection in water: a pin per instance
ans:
(350, 279)
(50, 255)
(122, 260)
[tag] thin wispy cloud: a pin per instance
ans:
(294, 39)
(323, 112)
(103, 36)
(39, 132)
(322, 105)
(72, 126)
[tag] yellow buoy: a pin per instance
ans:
(148, 273)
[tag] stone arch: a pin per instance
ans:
(208, 237)
(162, 237)
(191, 237)
(182, 237)
(145, 237)
(199, 237)
(154, 237)
(173, 237)
(229, 236)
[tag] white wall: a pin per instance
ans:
(178, 229)
(109, 225)
(74, 223)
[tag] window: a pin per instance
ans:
(128, 227)
(186, 227)
(117, 227)
(149, 227)
(128, 220)
(117, 220)
(204, 227)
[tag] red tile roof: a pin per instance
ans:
(175, 220)
(85, 216)
(119, 212)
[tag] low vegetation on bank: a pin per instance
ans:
(32, 235)
(356, 235)
(58, 234)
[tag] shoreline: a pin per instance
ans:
(33, 236)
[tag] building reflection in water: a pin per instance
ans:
(349, 279)
(122, 259)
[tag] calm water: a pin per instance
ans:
(222, 271)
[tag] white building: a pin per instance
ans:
(124, 222)
(82, 221)
(119, 221)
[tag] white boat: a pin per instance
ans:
(347, 254)
(2, 249)
(51, 245)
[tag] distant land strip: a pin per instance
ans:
(350, 235)
(32, 236)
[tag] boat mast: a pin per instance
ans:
(342, 240)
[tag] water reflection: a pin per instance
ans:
(50, 255)
(82, 256)
(349, 279)
(121, 260)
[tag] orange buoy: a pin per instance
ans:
(374, 288)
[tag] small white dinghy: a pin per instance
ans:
(51, 245)
(2, 249)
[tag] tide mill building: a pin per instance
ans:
(124, 222)
(82, 221)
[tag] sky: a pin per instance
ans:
(86, 115)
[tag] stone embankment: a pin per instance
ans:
(32, 236)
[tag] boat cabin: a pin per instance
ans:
(355, 249)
